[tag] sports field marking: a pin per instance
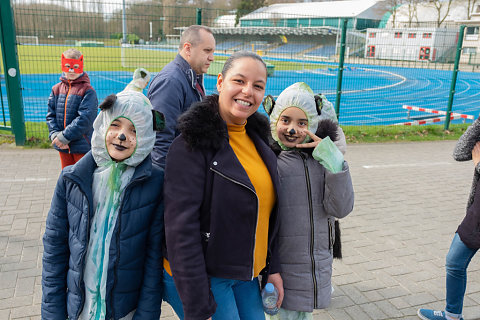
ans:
(403, 79)
(111, 79)
(316, 72)
(407, 165)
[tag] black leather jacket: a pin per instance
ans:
(211, 206)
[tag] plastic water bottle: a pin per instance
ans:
(269, 299)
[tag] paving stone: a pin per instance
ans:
(8, 279)
(373, 311)
(16, 302)
(28, 311)
(14, 248)
(5, 314)
(25, 287)
(389, 267)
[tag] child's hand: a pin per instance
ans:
(313, 144)
(276, 280)
(476, 154)
(57, 143)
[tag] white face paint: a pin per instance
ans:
(121, 139)
(291, 127)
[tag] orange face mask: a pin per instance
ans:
(72, 65)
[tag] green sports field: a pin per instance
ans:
(46, 59)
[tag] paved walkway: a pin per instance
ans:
(410, 197)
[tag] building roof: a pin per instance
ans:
(369, 9)
(275, 31)
(224, 21)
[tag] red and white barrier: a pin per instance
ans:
(460, 116)
(432, 120)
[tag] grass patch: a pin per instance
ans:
(368, 134)
(46, 59)
(6, 138)
(285, 65)
(36, 135)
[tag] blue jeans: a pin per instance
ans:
(170, 294)
(237, 299)
(458, 258)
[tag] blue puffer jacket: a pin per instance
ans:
(72, 108)
(135, 263)
(172, 92)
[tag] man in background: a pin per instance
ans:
(180, 83)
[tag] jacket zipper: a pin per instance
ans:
(65, 107)
(331, 232)
(192, 84)
(82, 259)
(117, 236)
(312, 229)
(256, 218)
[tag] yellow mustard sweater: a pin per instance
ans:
(258, 174)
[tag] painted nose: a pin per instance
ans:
(292, 131)
(122, 137)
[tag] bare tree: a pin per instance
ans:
(442, 7)
(412, 6)
(470, 7)
(394, 5)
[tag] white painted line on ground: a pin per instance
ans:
(407, 165)
(114, 80)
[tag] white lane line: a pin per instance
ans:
(407, 165)
(111, 79)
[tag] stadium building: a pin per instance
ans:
(300, 29)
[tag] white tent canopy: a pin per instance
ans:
(367, 9)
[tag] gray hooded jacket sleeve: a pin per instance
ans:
(464, 146)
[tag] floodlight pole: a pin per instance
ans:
(340, 67)
(124, 24)
(454, 77)
(199, 16)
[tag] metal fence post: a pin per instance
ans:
(340, 67)
(12, 72)
(454, 77)
(199, 16)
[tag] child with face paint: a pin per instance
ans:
(315, 188)
(103, 237)
(72, 108)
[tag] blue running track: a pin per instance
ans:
(372, 95)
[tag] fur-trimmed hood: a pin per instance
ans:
(203, 127)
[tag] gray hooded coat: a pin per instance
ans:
(309, 198)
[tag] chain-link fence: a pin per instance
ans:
(388, 73)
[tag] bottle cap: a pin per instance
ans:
(269, 288)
